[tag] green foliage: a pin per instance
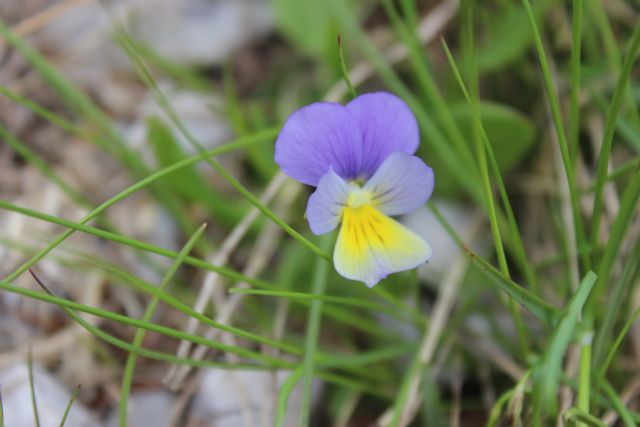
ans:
(298, 315)
(308, 24)
(510, 134)
(548, 372)
(187, 183)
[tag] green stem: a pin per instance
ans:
(554, 104)
(609, 130)
(584, 374)
(313, 331)
(127, 376)
(574, 108)
(137, 186)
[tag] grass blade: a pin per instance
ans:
(138, 186)
(314, 319)
(32, 388)
(574, 95)
(546, 375)
(127, 376)
(618, 231)
(609, 130)
(554, 105)
(70, 306)
(284, 393)
(74, 396)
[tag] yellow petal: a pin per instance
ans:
(371, 246)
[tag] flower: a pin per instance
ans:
(360, 158)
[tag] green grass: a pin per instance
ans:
(544, 308)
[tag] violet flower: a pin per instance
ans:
(360, 158)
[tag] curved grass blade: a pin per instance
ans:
(574, 94)
(268, 134)
(71, 306)
(74, 396)
(354, 302)
(127, 376)
(514, 230)
(284, 393)
(144, 73)
(576, 414)
(628, 206)
(609, 130)
(546, 375)
(554, 105)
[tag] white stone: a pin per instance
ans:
(52, 399)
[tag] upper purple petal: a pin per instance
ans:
(324, 209)
(316, 138)
(401, 184)
(387, 125)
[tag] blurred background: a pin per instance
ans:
(98, 95)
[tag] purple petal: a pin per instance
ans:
(401, 184)
(387, 125)
(324, 209)
(316, 138)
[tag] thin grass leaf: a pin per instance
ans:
(146, 76)
(344, 316)
(285, 393)
(460, 168)
(628, 166)
(166, 198)
(318, 286)
(496, 411)
(619, 406)
(188, 183)
(354, 302)
(604, 367)
(69, 307)
(127, 376)
(612, 53)
(547, 373)
(628, 206)
(540, 308)
(47, 115)
(622, 287)
(432, 405)
(514, 230)
(430, 90)
(32, 388)
(259, 156)
(344, 70)
(554, 104)
(574, 94)
(34, 160)
(609, 131)
(131, 242)
(73, 398)
(137, 186)
(576, 414)
(78, 101)
(331, 360)
(347, 317)
(481, 153)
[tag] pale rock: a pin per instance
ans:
(445, 249)
(147, 409)
(243, 398)
(52, 400)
